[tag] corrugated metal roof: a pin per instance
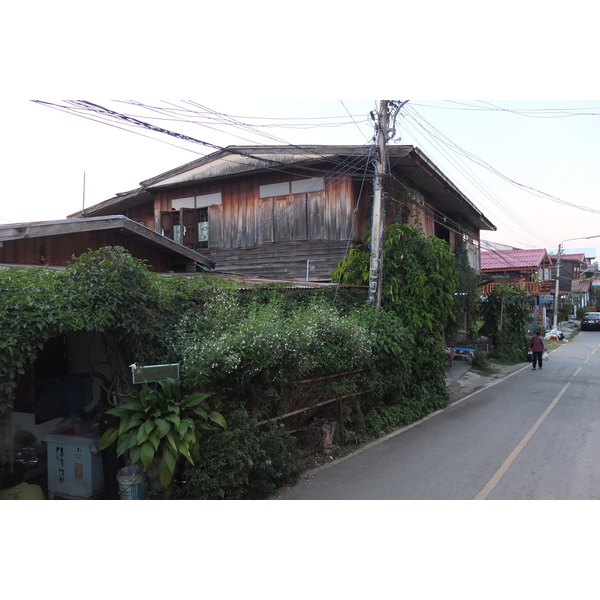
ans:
(509, 260)
(247, 281)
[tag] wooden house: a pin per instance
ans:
(54, 243)
(292, 212)
(571, 268)
(528, 269)
(571, 287)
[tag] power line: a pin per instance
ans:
(350, 165)
(453, 154)
(361, 131)
(530, 189)
(143, 124)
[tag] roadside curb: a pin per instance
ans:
(307, 475)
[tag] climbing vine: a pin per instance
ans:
(106, 291)
(419, 277)
(31, 311)
(466, 299)
(419, 281)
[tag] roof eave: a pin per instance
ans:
(125, 226)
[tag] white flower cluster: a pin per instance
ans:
(307, 340)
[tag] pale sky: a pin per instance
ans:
(548, 146)
(252, 61)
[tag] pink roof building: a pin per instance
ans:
(520, 261)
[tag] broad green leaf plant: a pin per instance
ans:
(162, 423)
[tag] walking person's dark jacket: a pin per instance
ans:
(536, 345)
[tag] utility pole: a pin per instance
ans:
(83, 199)
(388, 110)
(376, 267)
(556, 286)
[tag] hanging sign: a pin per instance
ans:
(595, 281)
(153, 373)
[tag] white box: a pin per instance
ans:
(74, 466)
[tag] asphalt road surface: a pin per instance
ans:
(532, 435)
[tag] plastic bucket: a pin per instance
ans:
(132, 487)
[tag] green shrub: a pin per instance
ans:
(480, 359)
(243, 463)
(269, 348)
(425, 398)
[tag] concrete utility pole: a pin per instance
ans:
(377, 219)
(556, 286)
(388, 110)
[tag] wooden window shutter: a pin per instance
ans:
(166, 224)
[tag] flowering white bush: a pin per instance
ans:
(272, 346)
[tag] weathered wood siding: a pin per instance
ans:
(245, 220)
(287, 260)
(58, 250)
(142, 214)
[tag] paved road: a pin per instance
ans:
(531, 435)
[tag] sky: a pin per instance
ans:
(529, 166)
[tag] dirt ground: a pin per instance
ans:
(470, 379)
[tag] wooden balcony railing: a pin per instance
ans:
(531, 287)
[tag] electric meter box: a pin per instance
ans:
(74, 466)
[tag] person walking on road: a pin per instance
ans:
(536, 345)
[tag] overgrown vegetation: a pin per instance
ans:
(266, 347)
(419, 281)
(108, 292)
(245, 462)
(466, 299)
(30, 313)
(248, 349)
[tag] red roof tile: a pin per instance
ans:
(579, 257)
(510, 260)
(580, 286)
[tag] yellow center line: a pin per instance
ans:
(497, 476)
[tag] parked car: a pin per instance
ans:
(590, 320)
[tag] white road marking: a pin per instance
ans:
(577, 372)
(497, 476)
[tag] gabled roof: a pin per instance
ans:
(580, 286)
(111, 206)
(512, 260)
(575, 257)
(590, 253)
(237, 161)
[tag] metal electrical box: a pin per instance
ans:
(74, 466)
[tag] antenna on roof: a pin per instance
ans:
(83, 199)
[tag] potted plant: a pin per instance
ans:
(161, 424)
